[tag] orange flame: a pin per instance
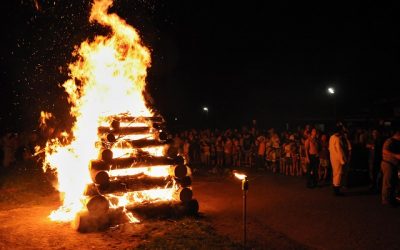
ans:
(108, 78)
(240, 176)
(44, 116)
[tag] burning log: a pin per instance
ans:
(128, 162)
(127, 184)
(179, 171)
(111, 138)
(162, 136)
(107, 155)
(124, 130)
(183, 194)
(86, 222)
(184, 182)
(154, 119)
(166, 209)
(100, 177)
(97, 205)
(144, 143)
(99, 165)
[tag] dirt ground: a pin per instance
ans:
(282, 214)
(27, 198)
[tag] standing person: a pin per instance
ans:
(338, 159)
(374, 146)
(312, 158)
(236, 152)
(219, 148)
(261, 152)
(295, 156)
(302, 153)
(228, 152)
(347, 149)
(207, 153)
(213, 154)
(323, 159)
(275, 152)
(247, 148)
(389, 167)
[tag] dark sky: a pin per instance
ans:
(242, 59)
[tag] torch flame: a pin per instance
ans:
(240, 176)
(108, 78)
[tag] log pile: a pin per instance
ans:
(101, 211)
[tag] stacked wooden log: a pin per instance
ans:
(106, 184)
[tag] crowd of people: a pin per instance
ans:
(320, 156)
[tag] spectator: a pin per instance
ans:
(236, 152)
(247, 148)
(219, 147)
(312, 158)
(389, 166)
(261, 152)
(374, 146)
(323, 159)
(228, 152)
(338, 159)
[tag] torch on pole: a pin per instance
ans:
(245, 188)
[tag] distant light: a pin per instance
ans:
(176, 118)
(331, 90)
(205, 109)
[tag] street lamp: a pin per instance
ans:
(332, 92)
(205, 109)
(245, 188)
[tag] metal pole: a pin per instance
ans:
(245, 187)
(244, 219)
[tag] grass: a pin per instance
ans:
(188, 233)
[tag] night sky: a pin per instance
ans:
(243, 60)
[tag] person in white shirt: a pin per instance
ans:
(338, 159)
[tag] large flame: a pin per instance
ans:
(108, 78)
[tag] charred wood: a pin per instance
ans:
(165, 209)
(184, 182)
(124, 130)
(100, 177)
(125, 184)
(179, 171)
(133, 119)
(120, 163)
(97, 205)
(86, 222)
(144, 143)
(183, 194)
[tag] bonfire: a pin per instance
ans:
(113, 158)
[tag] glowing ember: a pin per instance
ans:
(107, 79)
(154, 171)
